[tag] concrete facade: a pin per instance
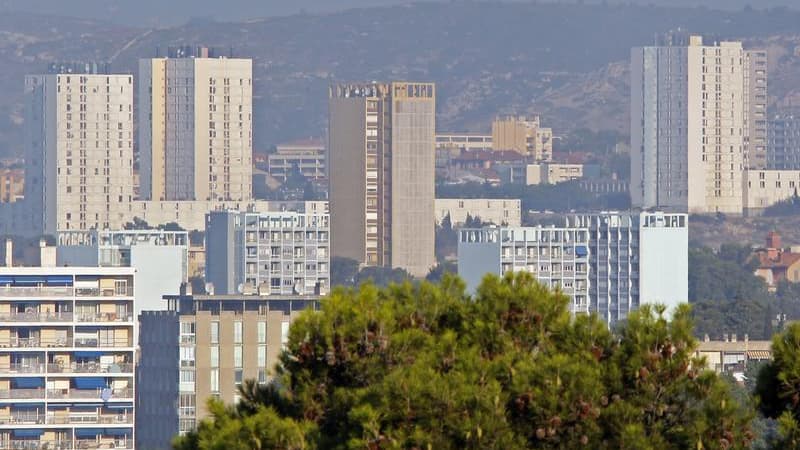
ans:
(79, 149)
(382, 163)
(270, 253)
(196, 127)
(67, 357)
(524, 135)
(620, 256)
(204, 347)
(490, 210)
(783, 141)
(306, 156)
(690, 114)
(763, 188)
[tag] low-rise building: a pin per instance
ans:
(205, 347)
(12, 185)
(271, 253)
(306, 156)
(777, 264)
(67, 359)
(764, 188)
(524, 135)
(733, 355)
(489, 210)
(621, 257)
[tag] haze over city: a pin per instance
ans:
(394, 224)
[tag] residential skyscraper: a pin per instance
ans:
(196, 126)
(690, 116)
(79, 147)
(755, 78)
(382, 144)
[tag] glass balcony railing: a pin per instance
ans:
(21, 394)
(90, 368)
(33, 342)
(96, 342)
(22, 368)
(109, 292)
(15, 444)
(35, 291)
(83, 394)
(105, 317)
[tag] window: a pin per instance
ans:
(237, 356)
(215, 332)
(187, 356)
(214, 357)
(262, 332)
(214, 380)
(237, 332)
(262, 356)
(187, 376)
(284, 334)
(238, 375)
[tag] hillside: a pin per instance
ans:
(566, 61)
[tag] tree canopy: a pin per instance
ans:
(426, 366)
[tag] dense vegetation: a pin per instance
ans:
(728, 298)
(427, 367)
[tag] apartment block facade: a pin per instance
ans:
(67, 357)
(79, 148)
(161, 258)
(607, 263)
(270, 253)
(306, 157)
(196, 126)
(205, 347)
(382, 156)
(696, 123)
(783, 141)
(498, 211)
(524, 135)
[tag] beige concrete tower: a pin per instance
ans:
(195, 126)
(688, 125)
(79, 147)
(382, 164)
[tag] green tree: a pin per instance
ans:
(778, 387)
(426, 366)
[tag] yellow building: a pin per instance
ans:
(524, 135)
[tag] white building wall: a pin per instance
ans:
(497, 211)
(664, 259)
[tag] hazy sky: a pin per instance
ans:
(171, 12)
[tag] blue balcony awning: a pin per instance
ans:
(124, 405)
(118, 432)
(32, 432)
(83, 406)
(581, 251)
(6, 279)
(27, 405)
(90, 383)
(88, 432)
(85, 354)
(58, 280)
(29, 280)
(28, 382)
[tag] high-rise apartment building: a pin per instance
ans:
(66, 358)
(783, 141)
(196, 126)
(79, 147)
(382, 165)
(607, 263)
(524, 135)
(204, 347)
(691, 123)
(305, 157)
(755, 120)
(269, 253)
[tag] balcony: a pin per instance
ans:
(103, 443)
(33, 342)
(105, 317)
(109, 292)
(86, 394)
(22, 368)
(21, 394)
(95, 342)
(90, 368)
(21, 291)
(36, 317)
(15, 444)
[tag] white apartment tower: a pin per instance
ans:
(79, 146)
(690, 109)
(196, 126)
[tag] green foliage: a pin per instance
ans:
(778, 386)
(788, 207)
(425, 366)
(726, 295)
(346, 272)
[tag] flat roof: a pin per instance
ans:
(67, 270)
